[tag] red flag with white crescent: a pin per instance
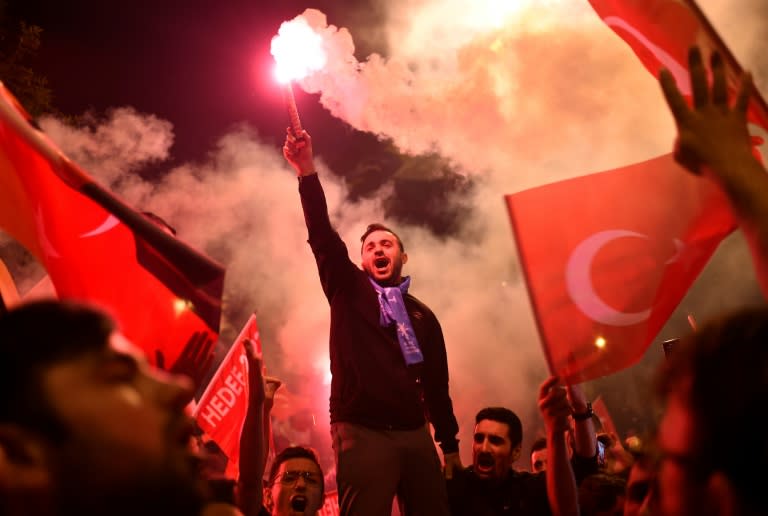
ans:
(608, 256)
(660, 32)
(165, 295)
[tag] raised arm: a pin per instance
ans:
(562, 492)
(333, 263)
(253, 448)
(584, 434)
(713, 141)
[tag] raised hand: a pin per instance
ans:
(271, 385)
(297, 150)
(712, 134)
(257, 392)
(577, 398)
(553, 405)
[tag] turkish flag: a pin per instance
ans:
(165, 295)
(608, 256)
(222, 407)
(660, 32)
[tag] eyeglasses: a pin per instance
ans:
(289, 478)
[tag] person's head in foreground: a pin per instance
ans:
(86, 425)
(715, 387)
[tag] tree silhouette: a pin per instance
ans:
(19, 44)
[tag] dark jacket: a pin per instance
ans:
(372, 386)
(521, 493)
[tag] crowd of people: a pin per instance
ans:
(88, 427)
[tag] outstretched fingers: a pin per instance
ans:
(674, 98)
(719, 84)
(699, 85)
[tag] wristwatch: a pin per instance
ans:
(583, 416)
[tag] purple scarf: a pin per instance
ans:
(392, 310)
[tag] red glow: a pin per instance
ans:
(298, 50)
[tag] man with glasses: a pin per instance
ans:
(295, 484)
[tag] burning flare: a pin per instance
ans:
(298, 50)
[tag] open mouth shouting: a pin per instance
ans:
(485, 464)
(299, 503)
(381, 264)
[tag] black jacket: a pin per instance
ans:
(372, 386)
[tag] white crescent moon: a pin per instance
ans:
(678, 72)
(105, 226)
(578, 280)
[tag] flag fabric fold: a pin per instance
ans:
(96, 249)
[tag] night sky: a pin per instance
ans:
(204, 66)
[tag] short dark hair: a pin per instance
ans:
(726, 363)
(538, 444)
(381, 227)
(296, 452)
(506, 416)
(34, 337)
